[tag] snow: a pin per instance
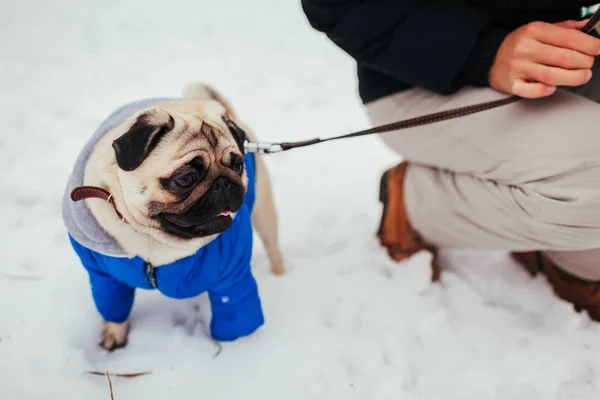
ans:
(344, 323)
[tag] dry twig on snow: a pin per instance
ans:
(112, 396)
(132, 375)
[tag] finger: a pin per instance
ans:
(560, 57)
(572, 24)
(553, 76)
(567, 38)
(532, 90)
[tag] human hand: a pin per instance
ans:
(536, 58)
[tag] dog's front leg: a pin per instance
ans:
(113, 298)
(114, 335)
(114, 301)
(236, 309)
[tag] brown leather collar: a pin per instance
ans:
(93, 192)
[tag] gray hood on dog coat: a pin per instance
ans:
(77, 217)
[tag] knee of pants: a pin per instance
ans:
(572, 218)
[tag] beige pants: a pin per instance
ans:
(522, 177)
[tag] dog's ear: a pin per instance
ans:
(238, 133)
(132, 148)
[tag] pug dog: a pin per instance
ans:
(163, 197)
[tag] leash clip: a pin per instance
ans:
(262, 147)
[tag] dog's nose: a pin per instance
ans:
(221, 184)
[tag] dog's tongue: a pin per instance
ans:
(225, 213)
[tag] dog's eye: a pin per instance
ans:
(186, 180)
(238, 166)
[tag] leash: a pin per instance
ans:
(277, 147)
(269, 148)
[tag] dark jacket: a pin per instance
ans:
(439, 45)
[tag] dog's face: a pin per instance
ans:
(182, 172)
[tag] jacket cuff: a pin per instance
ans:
(477, 68)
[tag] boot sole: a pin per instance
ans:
(383, 196)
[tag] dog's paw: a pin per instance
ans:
(278, 268)
(276, 261)
(114, 335)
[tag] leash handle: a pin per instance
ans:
(591, 27)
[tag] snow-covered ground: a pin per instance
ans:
(344, 323)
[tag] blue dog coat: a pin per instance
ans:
(221, 268)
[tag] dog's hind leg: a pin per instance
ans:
(264, 217)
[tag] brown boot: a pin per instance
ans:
(531, 261)
(584, 295)
(395, 232)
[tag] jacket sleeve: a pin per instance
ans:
(236, 308)
(439, 45)
(112, 298)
